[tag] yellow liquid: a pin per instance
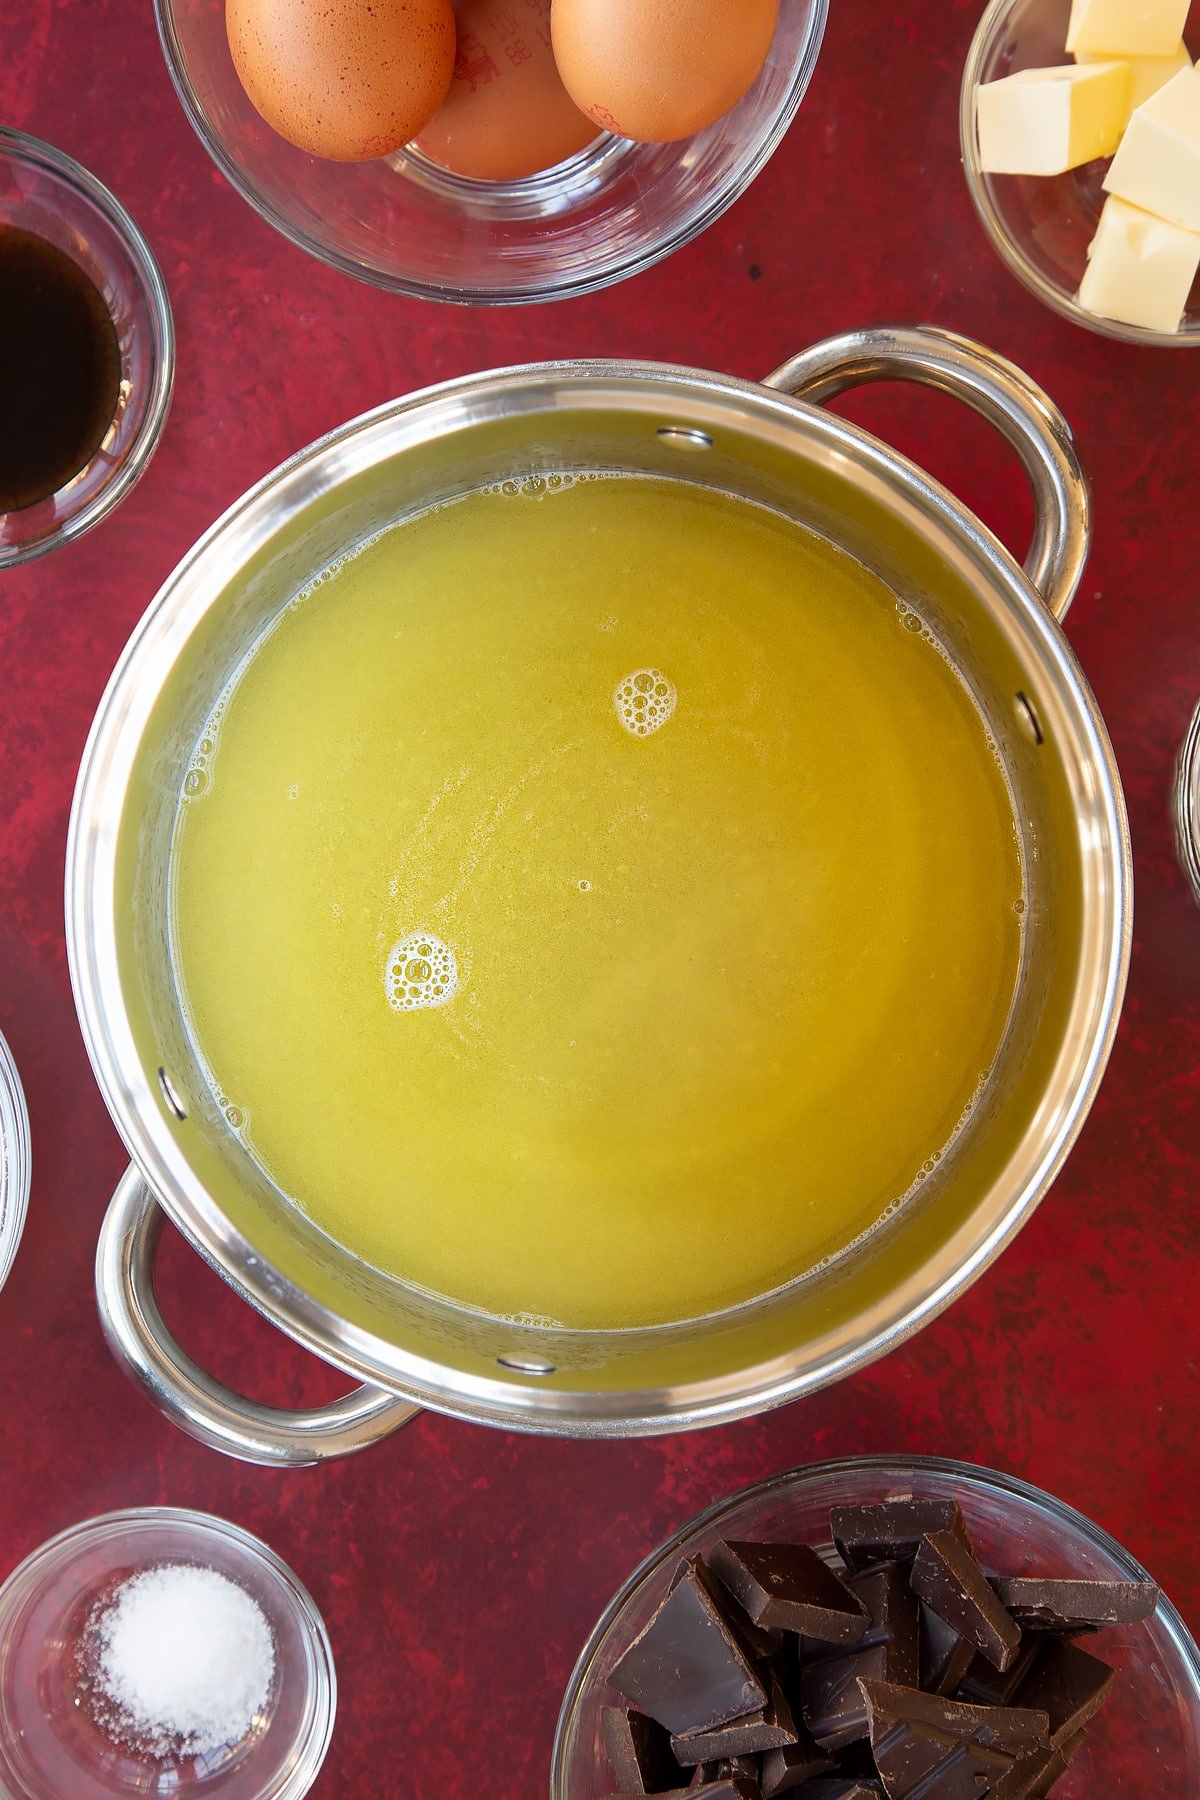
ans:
(684, 998)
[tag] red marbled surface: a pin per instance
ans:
(460, 1570)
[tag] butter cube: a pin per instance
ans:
(1140, 268)
(1043, 121)
(1158, 163)
(1146, 73)
(1126, 27)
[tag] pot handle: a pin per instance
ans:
(139, 1338)
(1003, 395)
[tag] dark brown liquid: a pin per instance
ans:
(60, 368)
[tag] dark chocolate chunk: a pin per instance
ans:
(1042, 1604)
(945, 1656)
(985, 1685)
(738, 1765)
(1056, 1765)
(756, 1639)
(942, 1749)
(1016, 1730)
(891, 1530)
(784, 1665)
(894, 1614)
(687, 1670)
(639, 1750)
(856, 1760)
(831, 1701)
(854, 1789)
(783, 1770)
(733, 1787)
(1068, 1685)
(767, 1729)
(1034, 1776)
(788, 1586)
(949, 1580)
(1026, 1778)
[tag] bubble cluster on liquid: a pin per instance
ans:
(198, 779)
(914, 623)
(235, 1116)
(338, 563)
(539, 487)
(644, 701)
(198, 775)
(322, 576)
(422, 971)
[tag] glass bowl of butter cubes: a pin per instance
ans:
(1080, 123)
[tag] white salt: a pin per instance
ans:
(184, 1660)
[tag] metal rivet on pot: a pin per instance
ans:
(1027, 719)
(685, 437)
(174, 1103)
(521, 1363)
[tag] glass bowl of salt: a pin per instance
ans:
(159, 1651)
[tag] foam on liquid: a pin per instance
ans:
(421, 971)
(645, 701)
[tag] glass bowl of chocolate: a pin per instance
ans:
(160, 1651)
(883, 1630)
(87, 349)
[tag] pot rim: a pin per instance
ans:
(524, 1404)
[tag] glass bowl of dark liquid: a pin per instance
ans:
(87, 349)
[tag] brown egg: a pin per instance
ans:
(662, 71)
(507, 113)
(344, 79)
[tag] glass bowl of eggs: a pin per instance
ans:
(474, 152)
(1099, 240)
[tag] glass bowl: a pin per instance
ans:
(1186, 805)
(1148, 1736)
(49, 1747)
(47, 193)
(14, 1160)
(1041, 225)
(405, 224)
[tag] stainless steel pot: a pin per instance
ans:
(766, 443)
